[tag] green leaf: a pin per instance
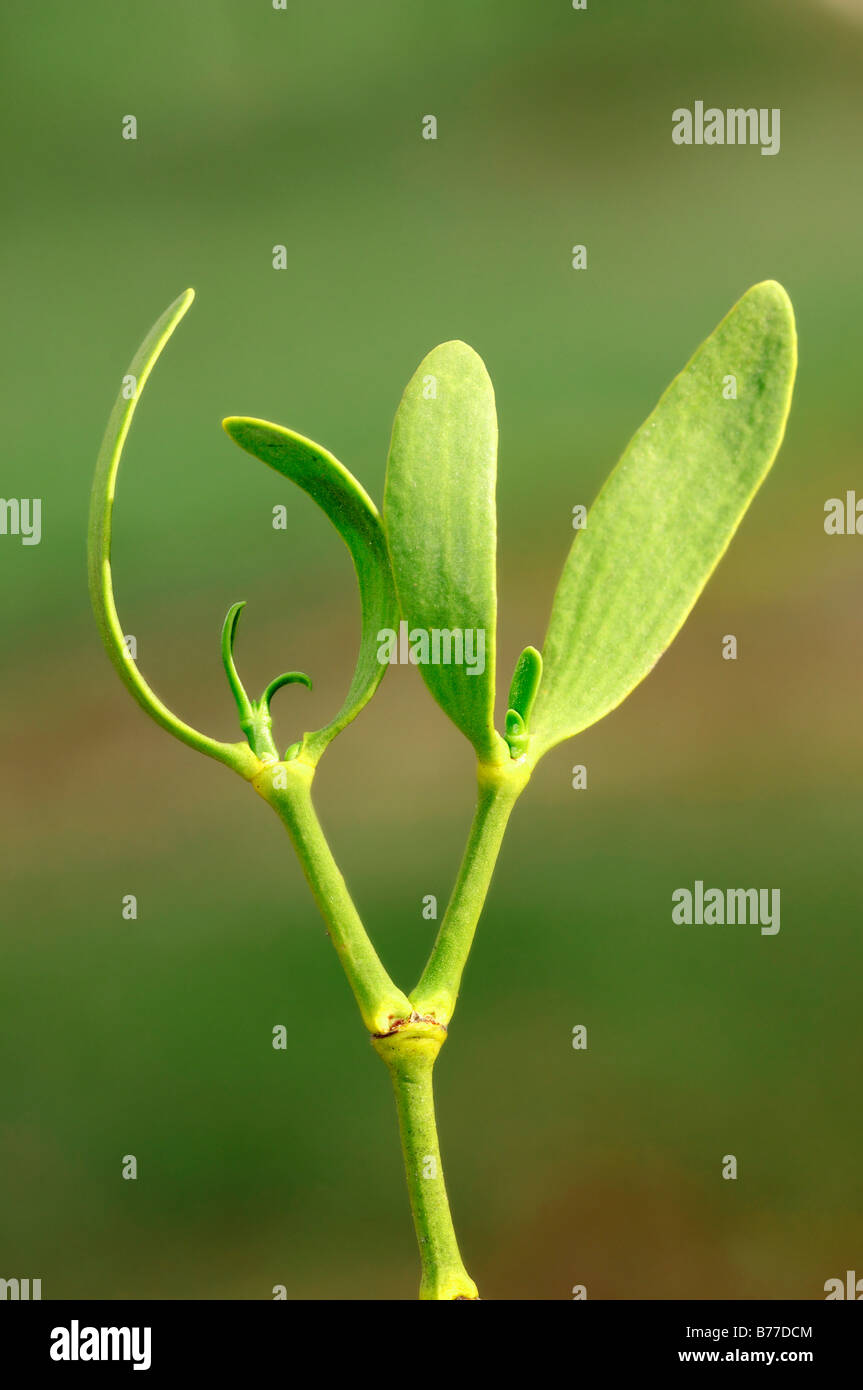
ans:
(525, 682)
(238, 690)
(439, 514)
(255, 718)
(358, 522)
(522, 693)
(235, 755)
(666, 515)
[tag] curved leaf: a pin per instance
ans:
(439, 514)
(666, 514)
(358, 522)
(235, 755)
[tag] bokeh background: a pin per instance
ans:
(260, 1167)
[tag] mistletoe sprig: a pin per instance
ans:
(654, 535)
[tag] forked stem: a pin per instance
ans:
(406, 1033)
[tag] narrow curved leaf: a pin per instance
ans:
(439, 514)
(235, 755)
(358, 522)
(238, 690)
(666, 514)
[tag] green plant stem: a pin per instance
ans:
(287, 788)
(499, 789)
(407, 1033)
(410, 1056)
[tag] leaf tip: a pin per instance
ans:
(458, 355)
(773, 294)
(181, 304)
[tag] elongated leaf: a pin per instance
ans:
(439, 514)
(358, 522)
(666, 515)
(235, 755)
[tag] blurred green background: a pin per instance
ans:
(153, 1037)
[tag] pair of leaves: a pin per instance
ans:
(325, 480)
(653, 537)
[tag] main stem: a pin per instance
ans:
(410, 1056)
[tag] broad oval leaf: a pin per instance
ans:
(665, 516)
(357, 520)
(441, 526)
